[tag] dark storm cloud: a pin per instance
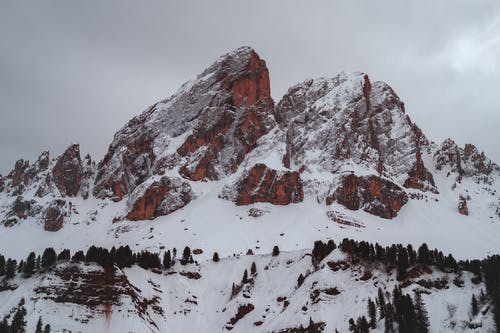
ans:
(77, 71)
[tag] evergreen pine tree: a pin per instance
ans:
(253, 268)
(29, 267)
(372, 313)
(482, 297)
(423, 255)
(64, 255)
(38, 263)
(49, 258)
(167, 260)
(245, 277)
(4, 326)
(362, 325)
(124, 257)
(20, 267)
(215, 257)
(186, 254)
(402, 264)
(18, 324)
(389, 318)
(381, 303)
(10, 268)
(352, 326)
(276, 250)
(46, 329)
(39, 326)
(421, 315)
(77, 257)
(474, 306)
(300, 280)
(2, 265)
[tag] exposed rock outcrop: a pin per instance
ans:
(17, 175)
(157, 198)
(462, 206)
(419, 177)
(54, 215)
(262, 184)
(373, 194)
(68, 172)
(21, 207)
(465, 162)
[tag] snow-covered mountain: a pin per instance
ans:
(219, 167)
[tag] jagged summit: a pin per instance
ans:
(205, 129)
(343, 142)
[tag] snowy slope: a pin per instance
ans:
(173, 174)
(204, 302)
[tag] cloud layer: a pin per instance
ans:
(77, 71)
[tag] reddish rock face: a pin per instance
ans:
(20, 207)
(222, 113)
(462, 206)
(251, 92)
(19, 170)
(419, 177)
(43, 161)
(67, 173)
(54, 216)
(158, 198)
(267, 185)
(373, 194)
(465, 162)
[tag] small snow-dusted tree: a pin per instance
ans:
(389, 318)
(372, 313)
(276, 250)
(167, 260)
(245, 277)
(46, 329)
(300, 280)
(18, 321)
(186, 254)
(78, 257)
(423, 254)
(10, 268)
(473, 305)
(2, 265)
(381, 303)
(49, 257)
(253, 268)
(421, 315)
(39, 326)
(215, 257)
(64, 255)
(4, 326)
(352, 326)
(362, 325)
(29, 267)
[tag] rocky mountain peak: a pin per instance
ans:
(467, 161)
(334, 122)
(204, 130)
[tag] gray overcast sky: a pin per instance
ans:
(76, 71)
